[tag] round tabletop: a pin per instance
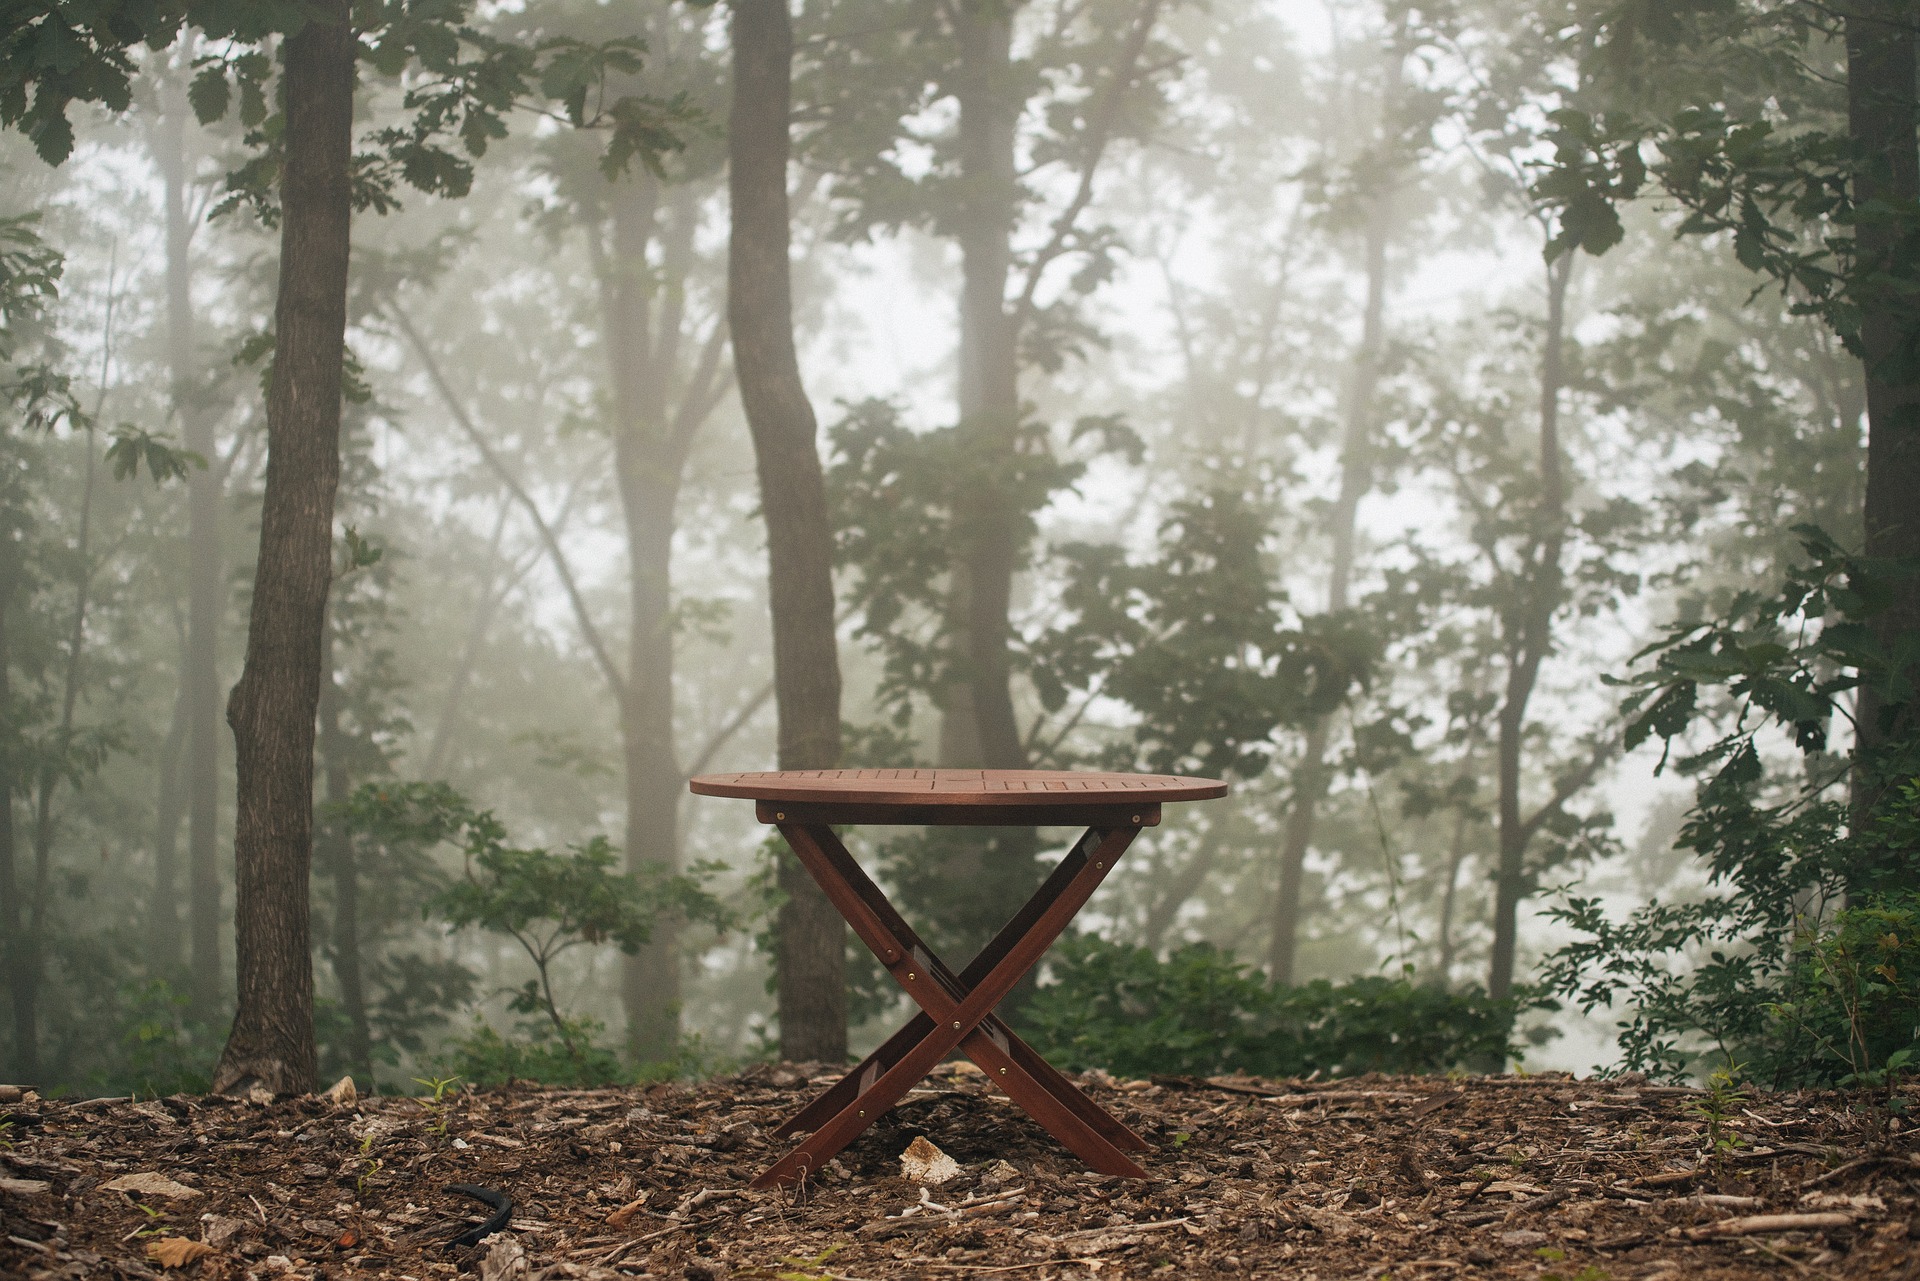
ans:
(1026, 788)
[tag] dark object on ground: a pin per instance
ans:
(502, 1214)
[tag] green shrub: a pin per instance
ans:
(538, 1053)
(1800, 962)
(1200, 1012)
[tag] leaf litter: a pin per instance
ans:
(1544, 1177)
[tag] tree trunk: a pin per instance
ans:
(163, 913)
(333, 843)
(810, 965)
(199, 670)
(1882, 119)
(273, 705)
(1444, 942)
(1528, 637)
(648, 475)
(1356, 478)
(21, 990)
(978, 726)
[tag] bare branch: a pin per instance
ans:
(590, 633)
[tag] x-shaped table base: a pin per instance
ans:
(956, 1010)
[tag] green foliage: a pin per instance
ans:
(163, 1049)
(895, 494)
(1781, 965)
(1752, 142)
(1717, 1107)
(569, 1054)
(459, 85)
(549, 903)
(1197, 641)
(1200, 1012)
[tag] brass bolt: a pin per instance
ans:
(911, 976)
(1136, 818)
(863, 1111)
(780, 814)
(956, 1024)
(1099, 867)
(1003, 1071)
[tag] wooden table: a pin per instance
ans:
(956, 1009)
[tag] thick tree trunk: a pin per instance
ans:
(199, 670)
(333, 844)
(1882, 118)
(811, 960)
(1356, 478)
(1528, 637)
(273, 705)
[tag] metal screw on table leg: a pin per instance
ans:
(1003, 1071)
(1099, 867)
(956, 1023)
(910, 976)
(778, 815)
(1136, 818)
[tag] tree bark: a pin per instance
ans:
(1527, 633)
(273, 705)
(1880, 36)
(1356, 478)
(810, 964)
(199, 670)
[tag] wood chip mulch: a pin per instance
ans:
(1540, 1177)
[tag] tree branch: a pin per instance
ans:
(591, 634)
(1099, 133)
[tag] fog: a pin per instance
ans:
(1317, 450)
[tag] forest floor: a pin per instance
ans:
(1539, 1177)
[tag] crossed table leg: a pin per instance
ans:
(956, 1010)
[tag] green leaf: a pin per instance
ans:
(210, 93)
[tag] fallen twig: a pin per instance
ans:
(1757, 1223)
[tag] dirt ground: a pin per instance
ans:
(1538, 1177)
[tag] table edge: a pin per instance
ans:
(1210, 790)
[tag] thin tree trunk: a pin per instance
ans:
(1181, 886)
(333, 844)
(163, 913)
(810, 963)
(273, 705)
(647, 470)
(20, 990)
(1529, 637)
(462, 677)
(199, 672)
(1882, 118)
(1456, 855)
(1356, 478)
(978, 725)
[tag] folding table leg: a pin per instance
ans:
(839, 1095)
(952, 1023)
(1045, 1076)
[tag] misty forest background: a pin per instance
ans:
(1334, 398)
